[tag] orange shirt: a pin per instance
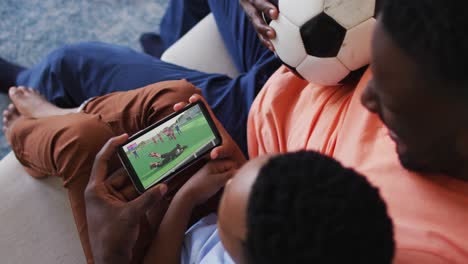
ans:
(430, 212)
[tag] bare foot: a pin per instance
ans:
(30, 103)
(10, 115)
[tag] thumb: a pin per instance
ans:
(143, 203)
(223, 178)
(99, 170)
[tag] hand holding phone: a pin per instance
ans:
(206, 182)
(106, 235)
(159, 152)
(229, 149)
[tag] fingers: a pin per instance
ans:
(129, 192)
(229, 149)
(256, 10)
(220, 152)
(266, 7)
(266, 42)
(99, 171)
(195, 98)
(147, 200)
(179, 106)
(221, 166)
(223, 178)
(119, 179)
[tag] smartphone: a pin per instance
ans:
(162, 150)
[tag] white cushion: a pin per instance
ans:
(202, 48)
(37, 225)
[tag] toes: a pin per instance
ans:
(12, 108)
(6, 117)
(12, 91)
(6, 113)
(9, 114)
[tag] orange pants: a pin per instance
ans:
(66, 145)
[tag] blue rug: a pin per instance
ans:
(30, 29)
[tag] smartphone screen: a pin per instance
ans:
(165, 148)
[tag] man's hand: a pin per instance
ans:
(229, 149)
(207, 181)
(114, 223)
(254, 9)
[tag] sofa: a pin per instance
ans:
(37, 225)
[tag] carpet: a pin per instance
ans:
(30, 29)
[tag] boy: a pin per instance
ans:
(294, 208)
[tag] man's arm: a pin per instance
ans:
(167, 245)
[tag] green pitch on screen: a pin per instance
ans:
(194, 134)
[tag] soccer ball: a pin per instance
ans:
(324, 41)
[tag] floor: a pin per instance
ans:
(30, 29)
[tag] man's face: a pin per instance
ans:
(424, 126)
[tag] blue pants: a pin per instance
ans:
(74, 73)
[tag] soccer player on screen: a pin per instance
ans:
(160, 138)
(166, 157)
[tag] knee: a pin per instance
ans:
(172, 92)
(160, 101)
(67, 54)
(77, 144)
(88, 133)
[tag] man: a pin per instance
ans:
(429, 211)
(160, 138)
(178, 129)
(252, 221)
(417, 98)
(72, 74)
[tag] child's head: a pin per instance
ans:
(303, 208)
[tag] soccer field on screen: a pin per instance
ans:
(195, 134)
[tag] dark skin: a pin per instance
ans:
(113, 222)
(108, 213)
(254, 9)
(427, 125)
(428, 129)
(226, 159)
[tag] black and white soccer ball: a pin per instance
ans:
(324, 41)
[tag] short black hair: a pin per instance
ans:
(433, 33)
(306, 208)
